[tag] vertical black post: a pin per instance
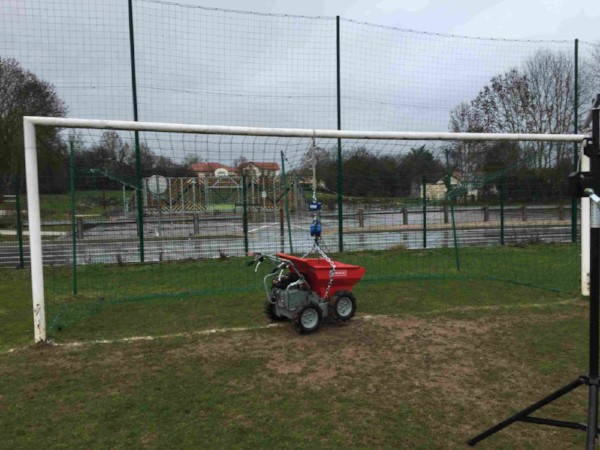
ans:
(281, 231)
(245, 213)
(339, 149)
(594, 311)
(73, 226)
(455, 237)
(138, 162)
(286, 202)
(17, 190)
(575, 145)
(452, 199)
(594, 347)
(502, 211)
(424, 213)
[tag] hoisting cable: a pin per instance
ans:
(315, 227)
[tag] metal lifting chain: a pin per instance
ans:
(331, 272)
(317, 216)
(313, 157)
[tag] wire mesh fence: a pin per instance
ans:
(405, 215)
(457, 209)
(201, 65)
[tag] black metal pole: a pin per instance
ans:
(73, 218)
(592, 429)
(138, 159)
(592, 432)
(594, 272)
(502, 187)
(245, 213)
(575, 130)
(340, 180)
(286, 202)
(17, 188)
(424, 200)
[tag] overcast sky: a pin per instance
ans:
(197, 65)
(509, 19)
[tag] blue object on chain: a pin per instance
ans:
(314, 206)
(315, 228)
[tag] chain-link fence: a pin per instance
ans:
(111, 198)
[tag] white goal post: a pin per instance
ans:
(33, 198)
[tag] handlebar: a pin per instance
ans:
(258, 258)
(279, 263)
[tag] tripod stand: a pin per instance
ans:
(581, 184)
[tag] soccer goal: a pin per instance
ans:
(147, 213)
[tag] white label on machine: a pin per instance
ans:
(340, 273)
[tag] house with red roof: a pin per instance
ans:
(212, 169)
(254, 169)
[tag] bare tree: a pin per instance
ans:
(538, 98)
(237, 162)
(22, 93)
(589, 76)
(465, 157)
(551, 81)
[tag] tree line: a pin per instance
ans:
(537, 97)
(112, 160)
(367, 173)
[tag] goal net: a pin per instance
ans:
(146, 226)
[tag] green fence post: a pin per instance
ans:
(17, 189)
(448, 184)
(245, 213)
(73, 225)
(138, 162)
(285, 198)
(575, 145)
(340, 199)
(455, 237)
(424, 214)
(502, 211)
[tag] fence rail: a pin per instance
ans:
(111, 239)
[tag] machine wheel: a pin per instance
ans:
(271, 314)
(344, 305)
(308, 319)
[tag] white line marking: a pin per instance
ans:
(368, 317)
(164, 336)
(473, 308)
(254, 230)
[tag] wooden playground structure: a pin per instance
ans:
(215, 194)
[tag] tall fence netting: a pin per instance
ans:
(405, 209)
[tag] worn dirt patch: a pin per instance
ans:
(431, 368)
(370, 351)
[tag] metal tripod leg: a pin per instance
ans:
(592, 431)
(523, 415)
(581, 184)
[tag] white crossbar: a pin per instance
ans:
(297, 132)
(33, 204)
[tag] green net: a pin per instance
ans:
(405, 210)
(207, 200)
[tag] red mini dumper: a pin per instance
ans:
(306, 290)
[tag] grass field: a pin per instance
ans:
(426, 364)
(115, 301)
